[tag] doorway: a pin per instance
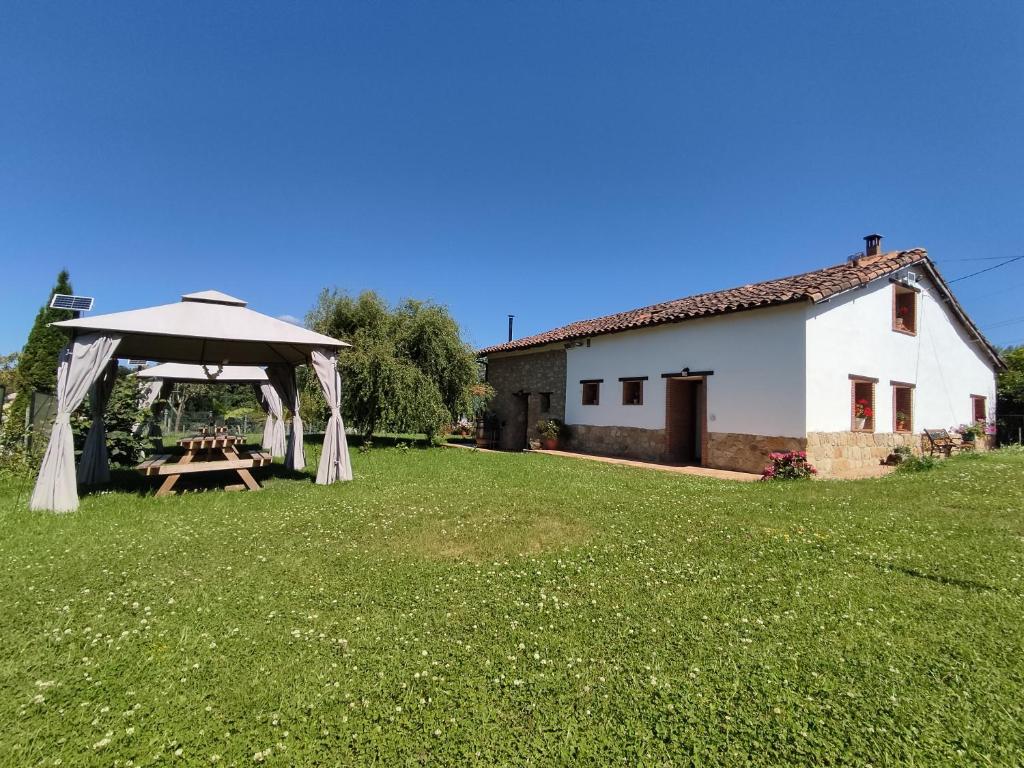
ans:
(684, 420)
(516, 429)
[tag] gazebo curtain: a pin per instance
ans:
(153, 390)
(94, 466)
(81, 363)
(282, 377)
(273, 430)
(334, 460)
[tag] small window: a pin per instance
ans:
(902, 408)
(545, 402)
(633, 392)
(591, 392)
(904, 309)
(863, 406)
(978, 408)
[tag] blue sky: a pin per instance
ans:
(556, 160)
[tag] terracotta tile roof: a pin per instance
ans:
(810, 286)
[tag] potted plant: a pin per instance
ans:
(549, 430)
(901, 317)
(902, 422)
(861, 413)
(969, 432)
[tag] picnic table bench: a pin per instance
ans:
(206, 453)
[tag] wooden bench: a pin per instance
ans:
(153, 463)
(165, 465)
(160, 465)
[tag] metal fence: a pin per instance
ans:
(39, 416)
(1010, 429)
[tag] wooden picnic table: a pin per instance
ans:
(206, 453)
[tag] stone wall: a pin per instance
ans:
(520, 381)
(838, 454)
(628, 442)
(747, 453)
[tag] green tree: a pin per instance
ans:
(1010, 383)
(8, 370)
(408, 370)
(37, 363)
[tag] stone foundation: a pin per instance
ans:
(628, 442)
(839, 454)
(747, 453)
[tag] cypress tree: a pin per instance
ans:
(37, 363)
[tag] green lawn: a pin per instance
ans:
(454, 607)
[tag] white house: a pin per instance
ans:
(844, 362)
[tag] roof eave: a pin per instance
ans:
(639, 326)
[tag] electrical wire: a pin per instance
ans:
(1004, 323)
(978, 258)
(987, 269)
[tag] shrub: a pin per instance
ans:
(917, 464)
(788, 465)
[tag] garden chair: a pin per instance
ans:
(940, 442)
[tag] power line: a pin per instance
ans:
(988, 292)
(1004, 323)
(987, 269)
(977, 258)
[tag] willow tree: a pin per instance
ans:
(408, 369)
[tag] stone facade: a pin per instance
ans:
(747, 453)
(628, 442)
(838, 454)
(522, 383)
(844, 454)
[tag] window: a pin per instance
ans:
(862, 404)
(545, 402)
(904, 309)
(591, 391)
(633, 391)
(902, 407)
(978, 408)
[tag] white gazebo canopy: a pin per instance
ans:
(162, 376)
(208, 328)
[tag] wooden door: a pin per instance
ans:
(682, 423)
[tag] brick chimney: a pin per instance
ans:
(872, 245)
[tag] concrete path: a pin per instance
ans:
(720, 474)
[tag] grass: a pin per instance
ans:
(455, 607)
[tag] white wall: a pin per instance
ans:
(852, 334)
(757, 357)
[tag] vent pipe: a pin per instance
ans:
(510, 319)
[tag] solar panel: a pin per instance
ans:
(74, 303)
(138, 362)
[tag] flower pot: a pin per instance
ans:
(860, 422)
(901, 426)
(550, 443)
